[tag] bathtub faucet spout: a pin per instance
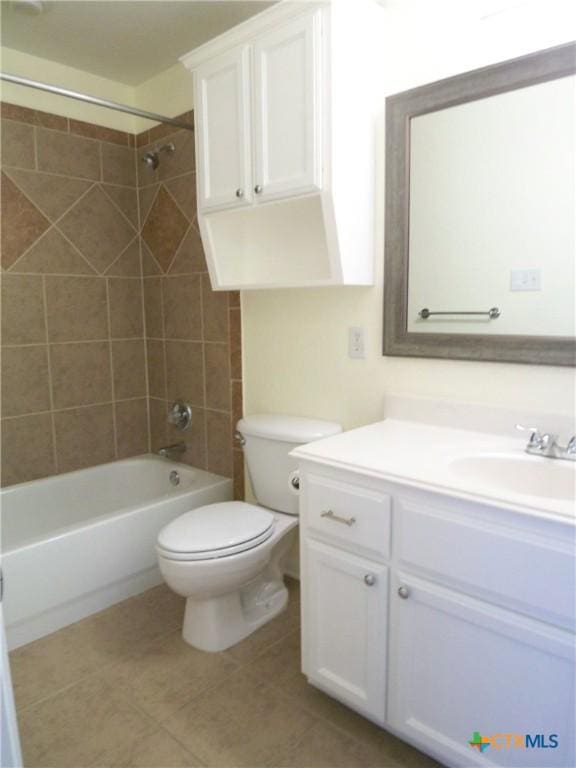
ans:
(171, 450)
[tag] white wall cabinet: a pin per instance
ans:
(258, 119)
(223, 120)
(345, 637)
(287, 123)
(285, 142)
(439, 648)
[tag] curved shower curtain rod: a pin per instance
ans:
(94, 100)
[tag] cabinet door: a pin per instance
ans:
(344, 627)
(287, 109)
(223, 128)
(460, 667)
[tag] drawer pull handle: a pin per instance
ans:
(369, 579)
(403, 592)
(337, 519)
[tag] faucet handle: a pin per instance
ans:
(536, 440)
(571, 447)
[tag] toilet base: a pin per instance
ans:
(219, 622)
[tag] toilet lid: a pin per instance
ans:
(216, 530)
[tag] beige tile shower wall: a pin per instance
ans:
(74, 389)
(192, 332)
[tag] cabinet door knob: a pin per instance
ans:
(369, 579)
(403, 592)
(258, 189)
(239, 193)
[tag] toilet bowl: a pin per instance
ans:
(227, 559)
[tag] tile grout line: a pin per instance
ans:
(143, 307)
(53, 225)
(164, 355)
(35, 140)
(68, 130)
(100, 403)
(120, 211)
(107, 272)
(110, 358)
(97, 404)
(87, 179)
(50, 380)
(85, 677)
(177, 249)
(182, 211)
(73, 341)
(101, 162)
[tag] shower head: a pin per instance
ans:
(152, 158)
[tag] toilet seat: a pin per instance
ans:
(215, 531)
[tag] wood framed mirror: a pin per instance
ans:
(480, 259)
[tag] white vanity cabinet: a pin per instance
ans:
(345, 634)
(345, 574)
(459, 666)
(467, 625)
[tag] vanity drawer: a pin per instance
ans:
(354, 517)
(515, 567)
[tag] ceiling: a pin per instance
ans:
(124, 40)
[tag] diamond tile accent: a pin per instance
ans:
(53, 254)
(183, 189)
(97, 229)
(53, 195)
(146, 197)
(22, 222)
(164, 229)
(149, 264)
(126, 199)
(128, 263)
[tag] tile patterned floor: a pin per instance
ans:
(121, 688)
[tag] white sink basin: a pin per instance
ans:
(527, 475)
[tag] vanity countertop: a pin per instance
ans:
(475, 465)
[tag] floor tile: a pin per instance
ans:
(168, 673)
(156, 749)
(240, 723)
(72, 728)
(122, 689)
(52, 663)
(280, 666)
(325, 747)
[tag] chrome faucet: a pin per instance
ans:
(547, 444)
(170, 450)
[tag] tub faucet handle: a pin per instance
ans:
(180, 415)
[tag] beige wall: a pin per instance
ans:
(169, 92)
(295, 341)
(24, 65)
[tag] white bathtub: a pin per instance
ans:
(76, 543)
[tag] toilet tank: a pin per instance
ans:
(268, 441)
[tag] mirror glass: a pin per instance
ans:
(492, 215)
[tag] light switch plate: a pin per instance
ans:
(525, 280)
(356, 343)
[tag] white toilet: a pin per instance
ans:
(226, 559)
